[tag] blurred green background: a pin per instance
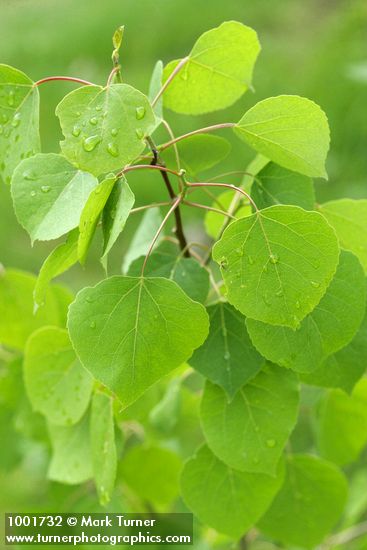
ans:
(314, 48)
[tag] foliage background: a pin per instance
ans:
(314, 48)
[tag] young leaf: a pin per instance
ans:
(91, 213)
(167, 262)
(309, 503)
(349, 219)
(152, 473)
(17, 317)
(276, 185)
(227, 356)
(250, 432)
(217, 73)
(198, 153)
(104, 128)
(19, 120)
(229, 501)
(346, 367)
(60, 260)
(71, 456)
(214, 223)
(103, 447)
(342, 424)
(154, 87)
(49, 195)
(329, 327)
(115, 214)
(139, 244)
(56, 383)
(111, 324)
(164, 414)
(291, 131)
(277, 263)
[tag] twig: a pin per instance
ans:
(210, 208)
(66, 78)
(195, 132)
(346, 536)
(146, 206)
(169, 79)
(227, 186)
(147, 167)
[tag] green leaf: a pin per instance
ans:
(143, 236)
(91, 213)
(308, 505)
(71, 456)
(346, 367)
(329, 327)
(349, 219)
(164, 415)
(56, 383)
(115, 214)
(229, 501)
(168, 262)
(227, 356)
(57, 262)
(198, 153)
(154, 87)
(103, 447)
(249, 433)
(276, 185)
(104, 128)
(277, 263)
(291, 131)
(214, 222)
(17, 318)
(111, 324)
(152, 473)
(342, 424)
(19, 120)
(49, 195)
(218, 71)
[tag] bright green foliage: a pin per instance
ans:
(342, 424)
(91, 214)
(102, 443)
(154, 87)
(164, 415)
(227, 500)
(104, 128)
(227, 357)
(309, 503)
(186, 272)
(349, 219)
(215, 222)
(250, 432)
(115, 213)
(17, 317)
(291, 131)
(111, 329)
(139, 244)
(344, 368)
(330, 326)
(62, 392)
(71, 456)
(276, 185)
(19, 120)
(60, 259)
(217, 73)
(153, 473)
(49, 195)
(266, 276)
(199, 153)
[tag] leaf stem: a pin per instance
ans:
(164, 221)
(210, 208)
(146, 206)
(148, 167)
(195, 132)
(113, 73)
(65, 78)
(170, 78)
(227, 186)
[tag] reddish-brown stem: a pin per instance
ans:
(65, 78)
(195, 132)
(227, 186)
(210, 208)
(147, 167)
(114, 71)
(170, 78)
(164, 221)
(146, 206)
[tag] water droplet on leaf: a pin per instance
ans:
(76, 131)
(92, 324)
(112, 150)
(91, 142)
(274, 258)
(315, 284)
(271, 443)
(139, 133)
(93, 121)
(114, 132)
(45, 188)
(140, 112)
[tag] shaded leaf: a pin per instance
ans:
(143, 236)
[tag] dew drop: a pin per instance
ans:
(114, 132)
(298, 305)
(78, 113)
(266, 299)
(4, 118)
(140, 113)
(250, 260)
(112, 150)
(99, 108)
(224, 263)
(139, 132)
(183, 75)
(92, 324)
(76, 131)
(274, 258)
(315, 284)
(11, 100)
(271, 443)
(33, 193)
(227, 355)
(16, 120)
(93, 121)
(279, 292)
(29, 175)
(45, 188)
(90, 143)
